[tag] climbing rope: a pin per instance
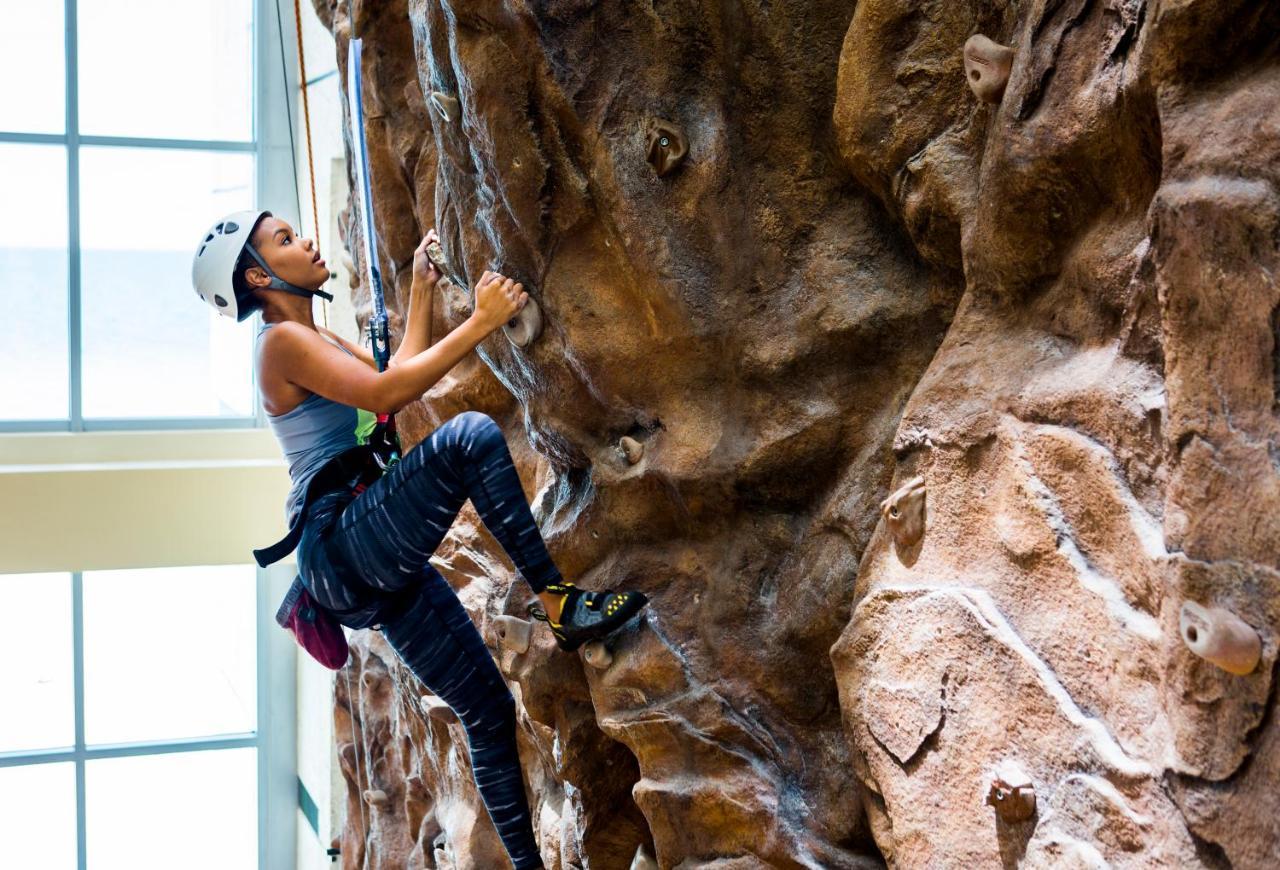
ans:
(293, 148)
(306, 116)
(364, 827)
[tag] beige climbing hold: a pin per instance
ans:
(1220, 637)
(435, 254)
(903, 512)
(631, 448)
(368, 679)
(986, 67)
(597, 655)
(446, 107)
(514, 633)
(643, 860)
(438, 710)
(376, 797)
(666, 146)
(524, 328)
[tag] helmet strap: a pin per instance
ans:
(277, 283)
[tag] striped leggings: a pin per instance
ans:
(385, 537)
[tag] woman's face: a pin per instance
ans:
(293, 259)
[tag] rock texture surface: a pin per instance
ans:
(919, 418)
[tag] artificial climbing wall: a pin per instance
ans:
(918, 359)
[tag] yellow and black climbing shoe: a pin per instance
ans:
(587, 616)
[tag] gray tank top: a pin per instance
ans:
(313, 432)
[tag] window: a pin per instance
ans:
(136, 126)
(131, 726)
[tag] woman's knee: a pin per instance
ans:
(477, 430)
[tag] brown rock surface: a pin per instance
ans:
(1058, 311)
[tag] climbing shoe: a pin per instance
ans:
(587, 616)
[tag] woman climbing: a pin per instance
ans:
(363, 534)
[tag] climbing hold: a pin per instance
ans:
(435, 254)
(445, 106)
(440, 849)
(438, 710)
(666, 146)
(526, 326)
(514, 633)
(903, 512)
(1013, 803)
(1220, 637)
(597, 655)
(1011, 793)
(986, 67)
(523, 329)
(376, 797)
(368, 679)
(631, 448)
(643, 860)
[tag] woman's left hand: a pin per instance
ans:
(425, 271)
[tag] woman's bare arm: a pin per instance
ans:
(358, 349)
(304, 358)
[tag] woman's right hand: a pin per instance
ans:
(498, 298)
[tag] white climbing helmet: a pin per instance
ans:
(213, 266)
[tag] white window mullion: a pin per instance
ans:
(75, 411)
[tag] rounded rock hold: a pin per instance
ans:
(632, 449)
(666, 146)
(524, 328)
(376, 797)
(445, 107)
(986, 67)
(1220, 637)
(514, 633)
(437, 709)
(903, 512)
(597, 655)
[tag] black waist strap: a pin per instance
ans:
(346, 470)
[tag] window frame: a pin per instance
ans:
(273, 738)
(271, 145)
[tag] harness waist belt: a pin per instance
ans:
(352, 469)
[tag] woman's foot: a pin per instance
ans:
(585, 616)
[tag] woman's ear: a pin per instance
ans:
(255, 277)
